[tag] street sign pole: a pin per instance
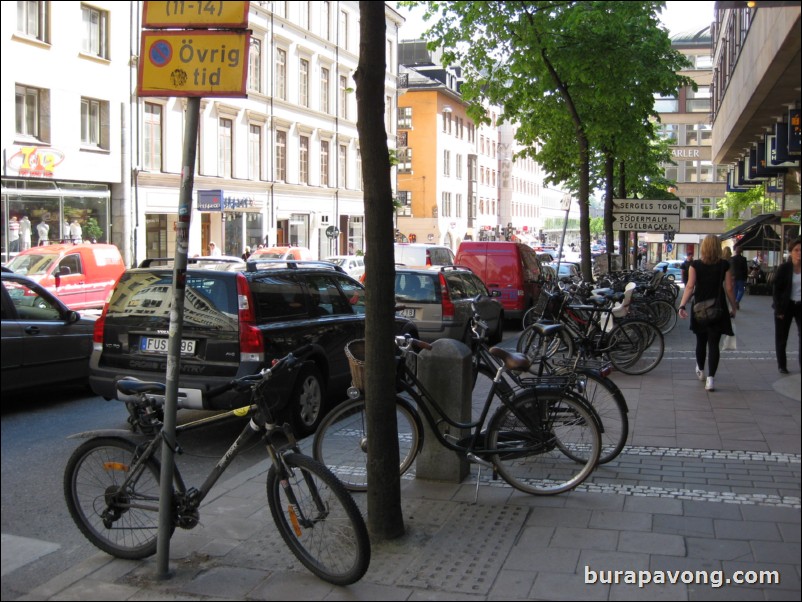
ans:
(565, 203)
(175, 337)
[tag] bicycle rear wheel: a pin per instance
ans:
(635, 347)
(611, 406)
(530, 441)
(121, 522)
(341, 441)
(319, 520)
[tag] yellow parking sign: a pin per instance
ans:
(193, 62)
(231, 15)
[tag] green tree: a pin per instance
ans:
(734, 204)
(385, 520)
(578, 78)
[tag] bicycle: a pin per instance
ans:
(543, 439)
(111, 482)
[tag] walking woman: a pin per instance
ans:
(788, 303)
(709, 278)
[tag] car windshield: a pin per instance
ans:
(340, 261)
(32, 264)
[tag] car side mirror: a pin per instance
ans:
(73, 317)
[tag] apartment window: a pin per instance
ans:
(281, 155)
(324, 89)
(255, 66)
(699, 134)
(458, 205)
(343, 32)
(458, 167)
(404, 118)
(324, 162)
(303, 9)
(690, 208)
(388, 114)
(343, 97)
(95, 31)
(95, 123)
(303, 83)
(152, 131)
(706, 207)
(446, 204)
(29, 111)
(703, 61)
(360, 180)
(698, 101)
(254, 152)
(325, 20)
(280, 8)
(32, 20)
(224, 147)
(303, 160)
(389, 57)
(342, 167)
(446, 162)
(405, 160)
(666, 104)
(281, 73)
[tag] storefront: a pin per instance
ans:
(36, 211)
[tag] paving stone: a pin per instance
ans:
(651, 543)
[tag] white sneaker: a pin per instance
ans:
(700, 374)
(709, 386)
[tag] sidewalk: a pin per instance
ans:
(709, 485)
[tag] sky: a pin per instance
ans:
(678, 17)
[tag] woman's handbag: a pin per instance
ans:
(706, 312)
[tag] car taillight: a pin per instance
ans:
(100, 324)
(251, 343)
(428, 258)
(447, 305)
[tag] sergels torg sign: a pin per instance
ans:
(193, 62)
(646, 215)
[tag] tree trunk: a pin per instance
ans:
(609, 236)
(385, 519)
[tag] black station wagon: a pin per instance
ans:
(236, 321)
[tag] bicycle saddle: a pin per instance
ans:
(512, 360)
(134, 386)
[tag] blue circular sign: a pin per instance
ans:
(669, 247)
(161, 52)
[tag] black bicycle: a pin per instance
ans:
(542, 439)
(111, 483)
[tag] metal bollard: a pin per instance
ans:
(445, 371)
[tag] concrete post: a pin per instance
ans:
(445, 371)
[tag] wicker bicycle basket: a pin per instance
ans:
(355, 352)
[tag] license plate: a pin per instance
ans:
(407, 313)
(153, 345)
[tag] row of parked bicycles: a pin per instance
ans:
(550, 414)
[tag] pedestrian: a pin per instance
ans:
(685, 266)
(709, 278)
(246, 254)
(13, 234)
(213, 250)
(788, 303)
(740, 272)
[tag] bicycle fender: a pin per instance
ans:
(118, 433)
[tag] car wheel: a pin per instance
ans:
(307, 401)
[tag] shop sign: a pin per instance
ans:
(218, 200)
(35, 161)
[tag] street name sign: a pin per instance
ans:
(643, 215)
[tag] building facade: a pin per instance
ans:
(284, 161)
(66, 66)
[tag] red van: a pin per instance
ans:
(509, 267)
(81, 275)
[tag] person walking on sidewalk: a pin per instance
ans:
(740, 272)
(709, 278)
(788, 304)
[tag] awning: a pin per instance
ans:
(760, 238)
(764, 218)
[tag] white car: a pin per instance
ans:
(354, 265)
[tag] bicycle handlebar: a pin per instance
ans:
(250, 380)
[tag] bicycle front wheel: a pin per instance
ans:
(611, 406)
(530, 438)
(319, 520)
(120, 520)
(341, 441)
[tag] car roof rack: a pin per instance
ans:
(256, 265)
(208, 260)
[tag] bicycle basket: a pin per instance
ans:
(355, 352)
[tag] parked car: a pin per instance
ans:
(511, 268)
(568, 270)
(235, 323)
(300, 253)
(81, 275)
(43, 341)
(419, 255)
(438, 301)
(354, 265)
(674, 269)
